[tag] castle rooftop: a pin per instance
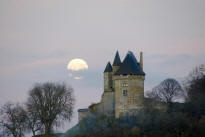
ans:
(117, 60)
(130, 66)
(108, 68)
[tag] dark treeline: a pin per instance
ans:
(50, 104)
(179, 120)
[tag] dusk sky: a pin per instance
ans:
(38, 38)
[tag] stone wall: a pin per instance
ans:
(133, 99)
(83, 113)
(105, 106)
(108, 81)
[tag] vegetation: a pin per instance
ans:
(179, 120)
(51, 103)
(33, 122)
(48, 105)
(167, 91)
(13, 120)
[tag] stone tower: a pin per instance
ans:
(116, 63)
(123, 88)
(108, 77)
(129, 86)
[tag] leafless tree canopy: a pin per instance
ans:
(33, 123)
(166, 91)
(52, 103)
(196, 74)
(13, 120)
(194, 84)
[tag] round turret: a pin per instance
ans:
(108, 77)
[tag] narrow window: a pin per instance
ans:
(124, 92)
(124, 85)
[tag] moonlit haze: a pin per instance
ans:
(77, 64)
(38, 38)
(77, 68)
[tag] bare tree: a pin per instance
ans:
(33, 123)
(13, 119)
(51, 103)
(167, 90)
(194, 84)
(196, 74)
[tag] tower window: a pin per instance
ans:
(124, 92)
(124, 85)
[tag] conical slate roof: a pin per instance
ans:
(129, 66)
(117, 60)
(108, 68)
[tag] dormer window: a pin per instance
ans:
(124, 84)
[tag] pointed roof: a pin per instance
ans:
(108, 68)
(117, 60)
(130, 66)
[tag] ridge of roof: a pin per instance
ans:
(108, 68)
(117, 60)
(129, 65)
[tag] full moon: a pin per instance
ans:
(77, 64)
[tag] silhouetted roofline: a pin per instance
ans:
(117, 61)
(108, 68)
(130, 66)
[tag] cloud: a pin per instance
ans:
(70, 74)
(78, 78)
(7, 70)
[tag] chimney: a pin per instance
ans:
(141, 61)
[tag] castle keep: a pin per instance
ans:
(123, 88)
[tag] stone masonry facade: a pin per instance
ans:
(123, 88)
